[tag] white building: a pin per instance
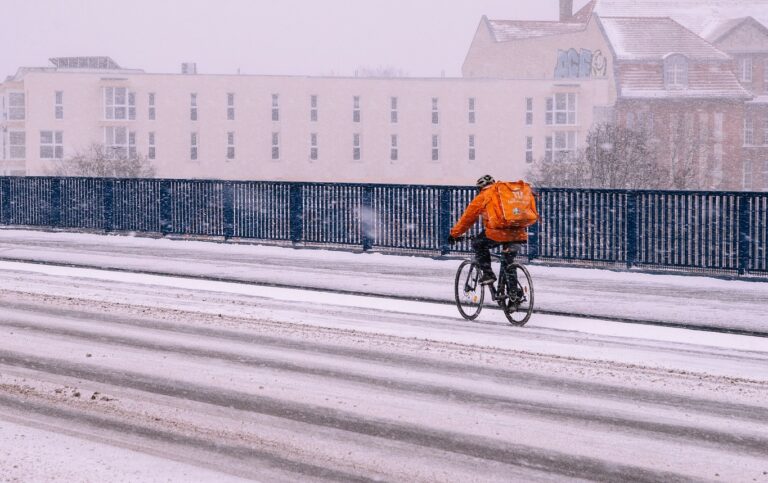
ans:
(441, 131)
(530, 90)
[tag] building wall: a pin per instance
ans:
(500, 131)
(537, 58)
(749, 40)
(711, 133)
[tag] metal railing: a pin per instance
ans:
(712, 232)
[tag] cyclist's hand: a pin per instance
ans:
(452, 240)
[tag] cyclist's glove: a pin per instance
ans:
(452, 240)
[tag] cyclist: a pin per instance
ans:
(485, 205)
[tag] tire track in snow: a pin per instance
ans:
(453, 442)
(65, 417)
(361, 293)
(448, 368)
(550, 411)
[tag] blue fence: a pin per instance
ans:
(723, 232)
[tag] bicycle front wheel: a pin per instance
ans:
(468, 291)
(518, 306)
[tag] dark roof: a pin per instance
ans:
(585, 13)
(696, 15)
(653, 38)
(718, 29)
(703, 82)
(506, 30)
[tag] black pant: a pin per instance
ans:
(482, 246)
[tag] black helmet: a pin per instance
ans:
(484, 181)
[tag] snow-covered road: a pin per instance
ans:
(675, 299)
(125, 377)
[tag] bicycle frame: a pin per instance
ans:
(498, 290)
(515, 300)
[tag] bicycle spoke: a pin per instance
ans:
(518, 306)
(468, 292)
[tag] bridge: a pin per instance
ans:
(722, 233)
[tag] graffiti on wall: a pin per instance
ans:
(574, 64)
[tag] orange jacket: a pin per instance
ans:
(479, 206)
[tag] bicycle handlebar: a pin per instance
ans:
(465, 238)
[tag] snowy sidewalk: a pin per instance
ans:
(669, 298)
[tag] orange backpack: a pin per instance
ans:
(515, 205)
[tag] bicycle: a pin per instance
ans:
(513, 290)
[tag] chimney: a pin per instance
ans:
(189, 68)
(566, 10)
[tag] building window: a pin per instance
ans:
(435, 113)
(119, 142)
(16, 109)
(151, 103)
(676, 72)
(393, 148)
(703, 133)
(119, 104)
(765, 174)
(17, 142)
(560, 145)
(435, 147)
(356, 147)
(765, 75)
(230, 145)
(356, 109)
(313, 108)
(472, 152)
(275, 145)
(472, 117)
(194, 144)
(718, 128)
(132, 152)
(640, 121)
(58, 108)
(717, 172)
(51, 145)
(746, 179)
(561, 109)
(765, 130)
(548, 149)
(529, 111)
(528, 149)
(313, 149)
(275, 108)
(749, 132)
(565, 143)
(745, 69)
(151, 153)
(193, 107)
(230, 106)
(131, 106)
(393, 110)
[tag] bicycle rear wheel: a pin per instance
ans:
(518, 306)
(468, 292)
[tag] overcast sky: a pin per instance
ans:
(313, 37)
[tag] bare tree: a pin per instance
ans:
(614, 157)
(388, 71)
(684, 154)
(100, 161)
